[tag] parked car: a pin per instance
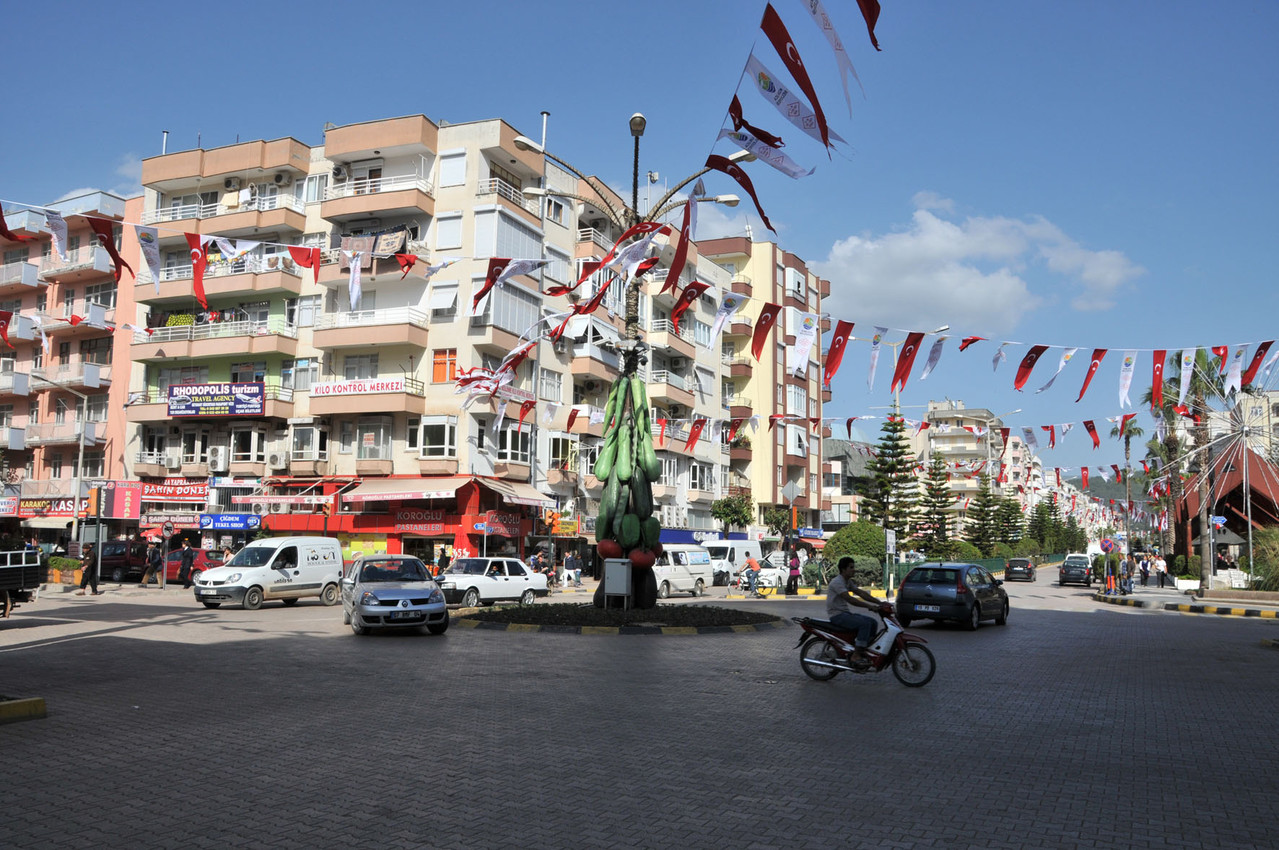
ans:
(205, 559)
(123, 559)
(483, 581)
(729, 556)
(964, 593)
(1021, 568)
(683, 568)
(392, 591)
(284, 568)
(1075, 569)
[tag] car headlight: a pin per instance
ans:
(449, 585)
(369, 598)
(233, 578)
(436, 596)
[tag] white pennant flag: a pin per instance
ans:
(233, 249)
(729, 306)
(999, 357)
(1187, 370)
(1125, 377)
(1065, 358)
(1265, 370)
(792, 108)
(149, 242)
(58, 227)
(845, 64)
(807, 332)
(548, 413)
(766, 153)
(353, 287)
(1028, 436)
(515, 267)
(1064, 428)
(1234, 377)
(934, 354)
(875, 344)
(431, 271)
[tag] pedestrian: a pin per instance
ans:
(1128, 569)
(88, 571)
(188, 564)
(1145, 570)
(792, 580)
(1161, 569)
(227, 553)
(573, 565)
(154, 563)
(443, 560)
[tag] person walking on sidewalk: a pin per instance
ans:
(1161, 569)
(154, 564)
(792, 580)
(88, 571)
(188, 564)
(1145, 569)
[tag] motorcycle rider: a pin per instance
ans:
(842, 597)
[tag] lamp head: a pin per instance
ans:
(524, 143)
(742, 156)
(727, 200)
(638, 123)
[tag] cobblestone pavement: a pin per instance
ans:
(1076, 725)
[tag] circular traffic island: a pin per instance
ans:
(585, 618)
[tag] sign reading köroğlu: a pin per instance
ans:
(218, 399)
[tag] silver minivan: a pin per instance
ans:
(683, 567)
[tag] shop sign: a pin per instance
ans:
(50, 507)
(176, 520)
(230, 522)
(423, 522)
(176, 490)
(500, 523)
(566, 527)
(315, 499)
(9, 506)
(359, 387)
(119, 499)
(218, 399)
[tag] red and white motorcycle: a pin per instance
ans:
(826, 651)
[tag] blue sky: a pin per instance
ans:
(1089, 174)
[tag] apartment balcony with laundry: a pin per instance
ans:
(260, 272)
(189, 339)
(83, 263)
(365, 328)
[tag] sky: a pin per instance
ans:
(1089, 174)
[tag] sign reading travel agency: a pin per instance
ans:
(358, 387)
(218, 399)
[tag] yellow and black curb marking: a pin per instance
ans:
(466, 622)
(14, 709)
(1218, 610)
(1122, 600)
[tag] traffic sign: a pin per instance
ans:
(1107, 545)
(480, 526)
(167, 528)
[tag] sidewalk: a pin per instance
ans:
(1171, 599)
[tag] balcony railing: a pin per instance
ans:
(260, 203)
(662, 376)
(72, 372)
(499, 187)
(37, 488)
(218, 330)
(375, 185)
(249, 264)
(362, 318)
(86, 256)
(63, 432)
(590, 234)
(738, 401)
(308, 455)
(27, 273)
(666, 326)
(82, 308)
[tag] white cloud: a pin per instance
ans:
(973, 274)
(75, 193)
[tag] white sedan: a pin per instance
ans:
(483, 581)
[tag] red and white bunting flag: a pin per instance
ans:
(969, 340)
(686, 230)
(1003, 438)
(6, 316)
(785, 46)
(907, 360)
(734, 425)
(687, 299)
(308, 258)
(848, 425)
(1222, 352)
(1097, 355)
(763, 325)
(1027, 366)
(740, 123)
(199, 260)
(1084, 474)
(496, 266)
(1092, 432)
(1119, 478)
(1123, 422)
(407, 262)
(525, 408)
(1058, 471)
(732, 169)
(766, 153)
(934, 356)
(835, 354)
(1258, 356)
(774, 418)
(1125, 377)
(788, 104)
(1052, 435)
(572, 417)
(876, 342)
(694, 432)
(104, 231)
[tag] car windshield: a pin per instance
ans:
(932, 575)
(251, 556)
(383, 571)
(469, 566)
(1019, 562)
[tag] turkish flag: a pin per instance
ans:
(1092, 432)
(572, 417)
(1157, 379)
(969, 340)
(6, 316)
(1097, 355)
(308, 258)
(870, 11)
(1119, 478)
(785, 46)
(1258, 356)
(1052, 435)
(763, 325)
(105, 232)
(835, 354)
(681, 251)
(687, 299)
(199, 260)
(1123, 422)
(694, 433)
(524, 410)
(496, 265)
(734, 425)
(1221, 351)
(732, 169)
(1084, 471)
(1027, 366)
(735, 114)
(907, 360)
(406, 262)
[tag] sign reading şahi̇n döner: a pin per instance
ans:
(218, 399)
(176, 490)
(359, 387)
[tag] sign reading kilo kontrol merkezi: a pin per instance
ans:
(218, 399)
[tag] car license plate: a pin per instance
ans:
(403, 615)
(932, 609)
(204, 590)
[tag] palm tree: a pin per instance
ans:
(1133, 430)
(1166, 452)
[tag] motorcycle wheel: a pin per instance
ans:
(914, 665)
(817, 649)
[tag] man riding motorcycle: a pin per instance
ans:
(842, 597)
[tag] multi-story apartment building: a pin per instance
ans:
(60, 377)
(970, 442)
(789, 452)
(332, 417)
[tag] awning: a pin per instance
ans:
(61, 522)
(517, 492)
(443, 296)
(406, 489)
(816, 542)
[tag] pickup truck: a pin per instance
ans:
(21, 574)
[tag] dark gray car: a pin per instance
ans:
(1019, 568)
(963, 593)
(1075, 569)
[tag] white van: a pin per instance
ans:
(284, 568)
(683, 567)
(728, 558)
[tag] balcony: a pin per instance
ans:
(170, 172)
(739, 325)
(663, 336)
(741, 284)
(592, 361)
(383, 395)
(583, 425)
(255, 274)
(152, 405)
(508, 196)
(740, 406)
(824, 288)
(17, 278)
(93, 317)
(668, 388)
(488, 337)
(84, 263)
(411, 135)
(153, 464)
(217, 339)
(61, 433)
(49, 488)
(383, 197)
(741, 367)
(25, 223)
(335, 270)
(592, 239)
(309, 463)
(366, 328)
(234, 219)
(72, 374)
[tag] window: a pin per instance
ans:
(558, 267)
(310, 443)
(699, 476)
(68, 302)
(442, 301)
(448, 231)
(195, 444)
(96, 351)
(346, 437)
(373, 438)
(444, 365)
(301, 312)
(513, 309)
(670, 471)
(8, 362)
(516, 239)
(453, 169)
(412, 432)
(55, 466)
(247, 373)
(316, 184)
(439, 436)
(555, 210)
(564, 454)
(795, 284)
(513, 443)
(248, 445)
(552, 385)
(94, 465)
(100, 293)
(6, 415)
(701, 333)
(16, 255)
(299, 374)
(359, 366)
(796, 400)
(97, 408)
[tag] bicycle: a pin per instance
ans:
(763, 589)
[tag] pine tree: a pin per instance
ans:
(934, 522)
(980, 529)
(1010, 524)
(894, 491)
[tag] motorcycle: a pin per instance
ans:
(825, 651)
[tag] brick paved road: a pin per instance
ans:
(1077, 725)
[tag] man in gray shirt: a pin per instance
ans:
(842, 598)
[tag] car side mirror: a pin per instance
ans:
(998, 582)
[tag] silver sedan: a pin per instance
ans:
(392, 591)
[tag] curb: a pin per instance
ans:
(1272, 644)
(619, 630)
(1180, 608)
(15, 710)
(1120, 600)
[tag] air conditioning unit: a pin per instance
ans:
(279, 508)
(231, 184)
(679, 362)
(219, 459)
(282, 178)
(172, 460)
(277, 460)
(560, 345)
(593, 386)
(677, 410)
(339, 172)
(260, 508)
